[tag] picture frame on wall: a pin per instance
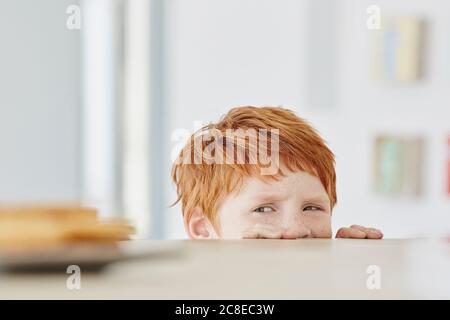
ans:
(398, 50)
(398, 166)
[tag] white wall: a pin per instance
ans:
(39, 102)
(226, 53)
(367, 108)
(220, 54)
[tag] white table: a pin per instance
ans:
(257, 269)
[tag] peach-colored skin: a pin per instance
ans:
(295, 206)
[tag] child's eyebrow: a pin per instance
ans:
(272, 197)
(320, 199)
(267, 197)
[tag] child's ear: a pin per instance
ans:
(198, 226)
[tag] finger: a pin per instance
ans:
(350, 233)
(358, 227)
(261, 232)
(374, 234)
(371, 233)
(268, 233)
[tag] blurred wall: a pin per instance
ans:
(367, 108)
(39, 102)
(221, 54)
(226, 53)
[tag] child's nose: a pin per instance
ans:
(295, 230)
(296, 234)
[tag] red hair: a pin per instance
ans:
(205, 184)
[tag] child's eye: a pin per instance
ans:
(264, 209)
(311, 208)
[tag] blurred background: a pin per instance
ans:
(94, 94)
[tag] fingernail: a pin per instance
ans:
(360, 233)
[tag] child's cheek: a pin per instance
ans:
(250, 220)
(320, 225)
(266, 218)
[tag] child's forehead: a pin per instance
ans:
(293, 185)
(288, 181)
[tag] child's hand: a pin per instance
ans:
(359, 232)
(261, 231)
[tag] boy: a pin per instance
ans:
(259, 173)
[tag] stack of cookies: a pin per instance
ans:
(41, 227)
